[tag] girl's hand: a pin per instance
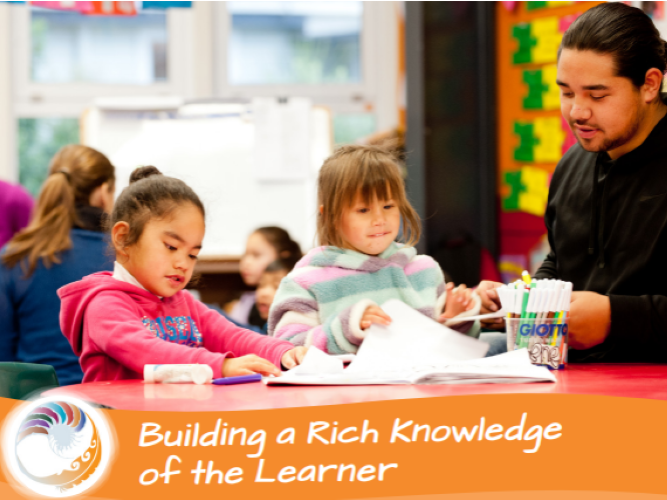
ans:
(458, 301)
(293, 357)
(373, 314)
(247, 365)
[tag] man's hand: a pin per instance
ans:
(590, 319)
(490, 304)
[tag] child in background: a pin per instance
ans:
(334, 293)
(264, 246)
(64, 242)
(140, 314)
(267, 287)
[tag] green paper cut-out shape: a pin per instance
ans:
(513, 180)
(527, 141)
(536, 89)
(526, 41)
(536, 5)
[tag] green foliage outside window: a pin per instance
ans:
(39, 139)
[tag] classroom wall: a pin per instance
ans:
(532, 137)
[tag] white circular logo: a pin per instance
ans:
(57, 446)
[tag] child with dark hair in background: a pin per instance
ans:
(267, 288)
(264, 246)
(141, 313)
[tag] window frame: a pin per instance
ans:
(35, 100)
(197, 57)
(346, 96)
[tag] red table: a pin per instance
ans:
(624, 380)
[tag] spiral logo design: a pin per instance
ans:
(59, 447)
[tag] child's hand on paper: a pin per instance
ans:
(247, 365)
(373, 314)
(459, 300)
(293, 357)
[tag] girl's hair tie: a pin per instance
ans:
(65, 173)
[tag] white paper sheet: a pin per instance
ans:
(282, 138)
(412, 339)
(415, 350)
(316, 362)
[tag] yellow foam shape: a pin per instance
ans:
(536, 183)
(545, 31)
(550, 137)
(551, 98)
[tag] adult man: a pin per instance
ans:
(607, 212)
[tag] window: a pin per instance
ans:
(62, 61)
(68, 47)
(294, 42)
(341, 55)
(38, 140)
(348, 127)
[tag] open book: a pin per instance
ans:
(415, 350)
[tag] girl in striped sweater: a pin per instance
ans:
(334, 293)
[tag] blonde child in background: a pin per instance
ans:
(141, 314)
(334, 293)
(267, 288)
(264, 246)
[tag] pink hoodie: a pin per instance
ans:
(116, 328)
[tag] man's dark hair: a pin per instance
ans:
(625, 32)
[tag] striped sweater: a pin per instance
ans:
(322, 300)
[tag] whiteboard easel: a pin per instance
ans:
(213, 148)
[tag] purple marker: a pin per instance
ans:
(243, 379)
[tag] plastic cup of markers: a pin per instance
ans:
(546, 340)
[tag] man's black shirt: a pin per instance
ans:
(607, 227)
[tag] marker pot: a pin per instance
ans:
(546, 339)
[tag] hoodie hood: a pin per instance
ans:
(75, 297)
(395, 255)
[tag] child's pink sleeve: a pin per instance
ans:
(221, 335)
(113, 324)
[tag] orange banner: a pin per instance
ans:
(489, 445)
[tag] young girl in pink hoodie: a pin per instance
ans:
(140, 314)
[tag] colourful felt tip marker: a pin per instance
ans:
(243, 379)
(526, 278)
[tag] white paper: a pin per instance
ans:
(412, 339)
(316, 362)
(345, 358)
(415, 350)
(282, 138)
(499, 314)
(510, 368)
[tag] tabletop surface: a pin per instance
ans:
(646, 381)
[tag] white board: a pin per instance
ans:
(214, 153)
